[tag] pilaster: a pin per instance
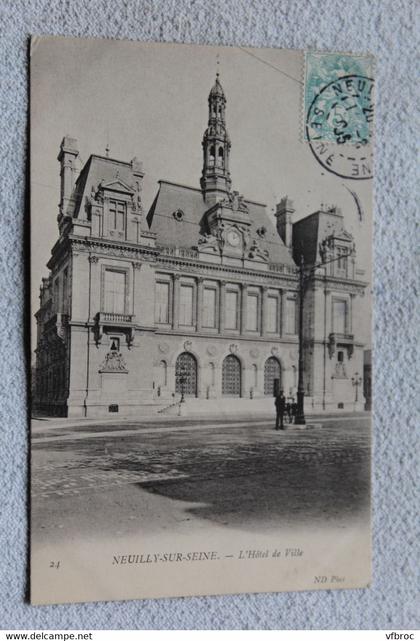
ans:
(222, 306)
(283, 311)
(175, 302)
(199, 314)
(264, 293)
(350, 314)
(244, 300)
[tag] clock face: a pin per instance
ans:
(233, 238)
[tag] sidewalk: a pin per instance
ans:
(83, 427)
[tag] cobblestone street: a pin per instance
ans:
(122, 478)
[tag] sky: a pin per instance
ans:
(150, 101)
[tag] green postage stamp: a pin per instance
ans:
(339, 109)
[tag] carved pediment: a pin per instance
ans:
(114, 363)
(344, 235)
(117, 185)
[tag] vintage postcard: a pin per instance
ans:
(201, 229)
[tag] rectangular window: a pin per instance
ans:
(272, 314)
(186, 305)
(162, 303)
(209, 308)
(231, 317)
(252, 313)
(341, 261)
(117, 215)
(339, 316)
(291, 316)
(114, 291)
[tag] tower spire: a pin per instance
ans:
(215, 179)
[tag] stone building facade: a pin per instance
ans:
(199, 297)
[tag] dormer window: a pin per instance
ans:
(117, 215)
(341, 263)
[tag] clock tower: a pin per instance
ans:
(226, 227)
(215, 179)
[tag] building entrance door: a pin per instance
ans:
(231, 376)
(186, 374)
(272, 376)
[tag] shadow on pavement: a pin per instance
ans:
(274, 490)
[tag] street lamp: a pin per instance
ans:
(356, 381)
(300, 412)
(305, 275)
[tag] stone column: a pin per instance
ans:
(175, 302)
(94, 286)
(105, 217)
(283, 319)
(222, 306)
(350, 315)
(243, 307)
(327, 369)
(327, 312)
(199, 318)
(264, 291)
(136, 268)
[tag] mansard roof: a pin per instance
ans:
(309, 232)
(185, 230)
(112, 174)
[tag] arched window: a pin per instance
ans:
(186, 374)
(163, 374)
(231, 376)
(220, 156)
(272, 376)
(212, 155)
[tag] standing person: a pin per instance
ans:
(280, 404)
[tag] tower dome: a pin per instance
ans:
(217, 89)
(215, 179)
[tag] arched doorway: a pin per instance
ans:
(231, 376)
(186, 374)
(272, 376)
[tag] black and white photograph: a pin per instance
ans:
(201, 231)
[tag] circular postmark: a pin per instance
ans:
(339, 127)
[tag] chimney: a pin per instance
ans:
(284, 211)
(67, 159)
